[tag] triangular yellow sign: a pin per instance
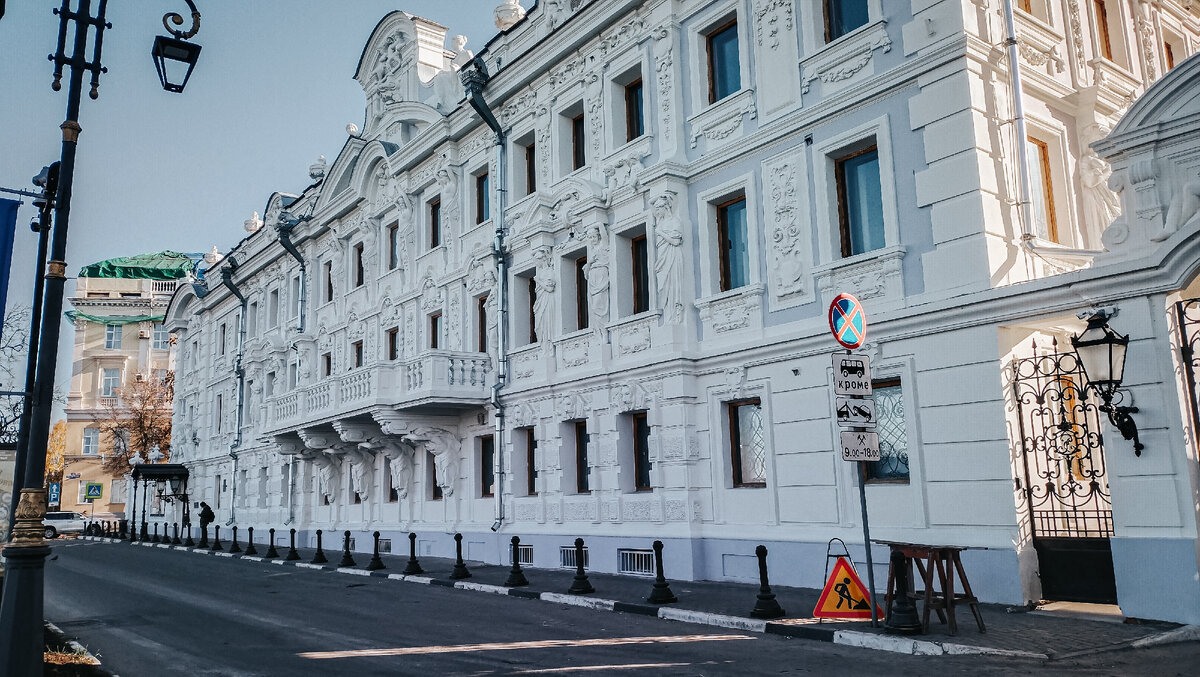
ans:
(844, 595)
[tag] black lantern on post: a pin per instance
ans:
(173, 54)
(1101, 353)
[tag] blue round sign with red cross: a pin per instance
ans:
(848, 321)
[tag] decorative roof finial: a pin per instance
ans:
(316, 171)
(508, 14)
(253, 223)
(213, 256)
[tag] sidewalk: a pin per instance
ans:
(1040, 635)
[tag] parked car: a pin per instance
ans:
(64, 522)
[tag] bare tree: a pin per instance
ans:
(137, 421)
(14, 346)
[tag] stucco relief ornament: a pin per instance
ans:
(361, 465)
(448, 183)
(1101, 206)
(668, 256)
(596, 271)
(445, 447)
(400, 465)
(788, 261)
(1183, 212)
(544, 284)
(462, 55)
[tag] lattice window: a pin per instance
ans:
(893, 433)
(747, 443)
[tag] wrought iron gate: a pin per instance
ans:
(1061, 479)
(1187, 315)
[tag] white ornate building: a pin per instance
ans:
(678, 190)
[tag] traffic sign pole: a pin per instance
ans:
(862, 497)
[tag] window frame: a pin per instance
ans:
(531, 470)
(730, 23)
(327, 270)
(642, 463)
(531, 168)
(1103, 30)
(482, 197)
(826, 6)
(582, 468)
(358, 351)
(327, 364)
(393, 343)
(844, 226)
(578, 125)
(582, 316)
(723, 252)
(1046, 169)
(113, 336)
(481, 342)
(735, 433)
(105, 389)
(434, 212)
(435, 330)
(393, 246)
(360, 268)
(532, 284)
(159, 330)
(640, 267)
(635, 110)
(487, 466)
(872, 466)
(92, 435)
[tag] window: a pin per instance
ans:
(640, 428)
(1103, 36)
(747, 446)
(160, 375)
(532, 285)
(162, 338)
(269, 385)
(357, 350)
(112, 337)
(91, 441)
(295, 297)
(117, 491)
(218, 413)
(360, 272)
(435, 330)
(487, 467)
(393, 492)
(578, 143)
(435, 488)
(641, 274)
(252, 319)
(634, 121)
(221, 339)
(734, 244)
(393, 343)
(529, 154)
(860, 202)
(1169, 55)
(435, 223)
(581, 293)
(393, 246)
(531, 472)
(273, 308)
(327, 364)
(481, 320)
(843, 16)
(892, 465)
(582, 471)
(1041, 191)
(482, 198)
(327, 273)
(110, 382)
(293, 375)
(724, 67)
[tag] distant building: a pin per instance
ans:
(120, 338)
(681, 190)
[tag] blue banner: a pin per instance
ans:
(8, 232)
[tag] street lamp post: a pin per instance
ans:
(21, 608)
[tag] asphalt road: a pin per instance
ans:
(157, 612)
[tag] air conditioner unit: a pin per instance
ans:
(143, 334)
(139, 378)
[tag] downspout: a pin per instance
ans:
(474, 79)
(227, 280)
(285, 238)
(1022, 133)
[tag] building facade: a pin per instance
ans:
(120, 339)
(609, 320)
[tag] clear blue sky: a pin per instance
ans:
(272, 90)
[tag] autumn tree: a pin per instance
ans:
(56, 447)
(136, 421)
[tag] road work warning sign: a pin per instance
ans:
(844, 596)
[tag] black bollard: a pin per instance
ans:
(902, 613)
(347, 560)
(661, 594)
(216, 544)
(154, 538)
(203, 537)
(250, 549)
(376, 563)
(292, 554)
(516, 577)
(145, 537)
(580, 585)
(189, 543)
(272, 553)
(235, 547)
(175, 531)
(460, 569)
(414, 565)
(766, 606)
(319, 558)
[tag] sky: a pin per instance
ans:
(273, 89)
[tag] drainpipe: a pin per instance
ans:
(474, 79)
(286, 224)
(1026, 201)
(227, 280)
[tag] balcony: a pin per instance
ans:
(432, 379)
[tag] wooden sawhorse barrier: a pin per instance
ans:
(944, 561)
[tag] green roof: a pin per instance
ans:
(165, 265)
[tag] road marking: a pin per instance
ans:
(510, 646)
(576, 600)
(596, 668)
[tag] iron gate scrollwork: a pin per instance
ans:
(1187, 315)
(1061, 478)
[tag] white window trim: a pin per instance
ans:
(1062, 169)
(614, 100)
(706, 215)
(698, 47)
(109, 335)
(83, 447)
(103, 379)
(719, 398)
(825, 156)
